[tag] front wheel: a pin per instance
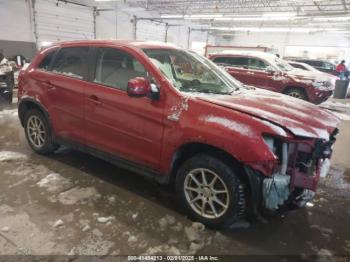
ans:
(210, 191)
(296, 93)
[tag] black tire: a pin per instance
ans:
(296, 93)
(48, 145)
(236, 195)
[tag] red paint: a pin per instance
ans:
(138, 87)
(150, 132)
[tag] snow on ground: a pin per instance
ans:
(8, 113)
(14, 242)
(55, 183)
(93, 244)
(6, 156)
(77, 195)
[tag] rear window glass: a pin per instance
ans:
(297, 66)
(220, 60)
(313, 63)
(71, 61)
(257, 64)
(232, 61)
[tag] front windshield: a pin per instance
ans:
(282, 65)
(190, 72)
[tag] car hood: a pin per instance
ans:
(307, 75)
(301, 118)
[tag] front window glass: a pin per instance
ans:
(190, 72)
(114, 68)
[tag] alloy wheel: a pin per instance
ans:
(206, 193)
(295, 94)
(36, 131)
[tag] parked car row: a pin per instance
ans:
(230, 150)
(320, 65)
(267, 71)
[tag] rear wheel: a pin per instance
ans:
(38, 132)
(210, 191)
(297, 93)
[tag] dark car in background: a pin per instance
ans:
(6, 83)
(267, 71)
(309, 68)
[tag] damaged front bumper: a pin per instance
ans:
(301, 164)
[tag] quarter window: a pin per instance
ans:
(115, 68)
(328, 66)
(46, 62)
(72, 62)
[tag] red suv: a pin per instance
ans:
(176, 117)
(267, 71)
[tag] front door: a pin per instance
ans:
(128, 127)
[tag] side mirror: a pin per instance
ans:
(270, 70)
(138, 87)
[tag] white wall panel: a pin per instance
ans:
(281, 41)
(62, 22)
(15, 21)
(149, 30)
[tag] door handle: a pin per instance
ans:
(250, 73)
(94, 99)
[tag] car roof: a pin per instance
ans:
(296, 62)
(257, 54)
(245, 53)
(129, 43)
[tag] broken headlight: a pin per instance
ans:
(280, 149)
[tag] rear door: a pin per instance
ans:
(260, 77)
(65, 90)
(237, 66)
(128, 127)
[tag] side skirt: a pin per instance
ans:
(117, 161)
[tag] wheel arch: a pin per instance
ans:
(27, 104)
(303, 90)
(191, 149)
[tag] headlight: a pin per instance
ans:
(317, 84)
(270, 141)
(280, 149)
(323, 85)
